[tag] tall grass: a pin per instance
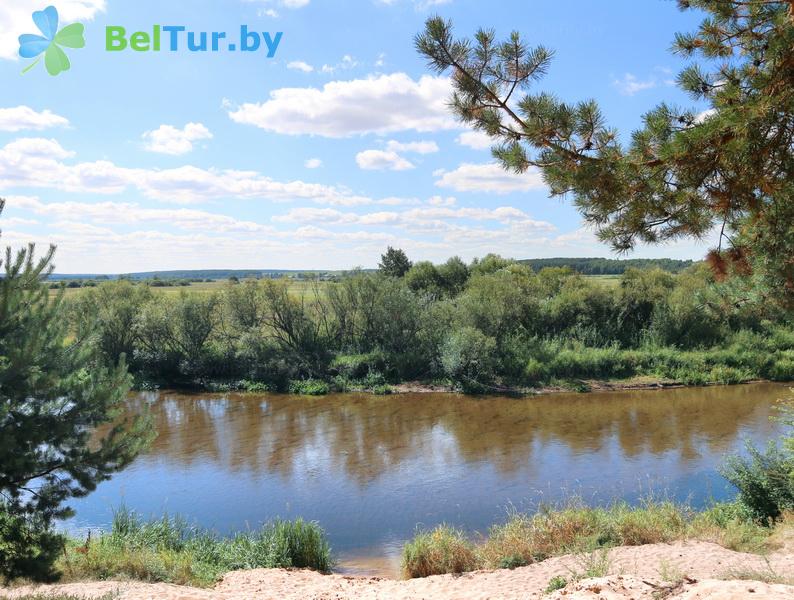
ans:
(170, 550)
(576, 529)
(442, 550)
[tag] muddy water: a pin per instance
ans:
(370, 469)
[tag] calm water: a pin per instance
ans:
(370, 469)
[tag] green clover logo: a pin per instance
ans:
(55, 59)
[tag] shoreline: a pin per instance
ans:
(583, 386)
(682, 569)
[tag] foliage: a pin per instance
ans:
(394, 263)
(685, 171)
(309, 387)
(54, 394)
(765, 480)
(28, 548)
(492, 323)
(170, 550)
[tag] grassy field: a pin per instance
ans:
(296, 287)
(608, 281)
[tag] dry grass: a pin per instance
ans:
(585, 531)
(442, 550)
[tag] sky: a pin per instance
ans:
(318, 157)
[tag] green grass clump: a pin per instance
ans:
(580, 529)
(556, 583)
(441, 550)
(588, 531)
(309, 387)
(169, 550)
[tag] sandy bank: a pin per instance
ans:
(680, 570)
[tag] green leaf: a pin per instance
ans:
(71, 36)
(56, 60)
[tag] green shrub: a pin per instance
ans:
(442, 550)
(468, 356)
(728, 375)
(28, 548)
(169, 550)
(309, 387)
(765, 480)
(783, 369)
(556, 583)
(357, 366)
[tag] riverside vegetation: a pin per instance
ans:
(491, 325)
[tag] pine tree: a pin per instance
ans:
(685, 173)
(394, 263)
(54, 396)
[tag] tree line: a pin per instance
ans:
(487, 325)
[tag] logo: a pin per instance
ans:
(50, 42)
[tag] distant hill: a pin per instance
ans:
(608, 266)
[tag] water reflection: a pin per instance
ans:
(371, 468)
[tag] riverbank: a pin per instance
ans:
(682, 569)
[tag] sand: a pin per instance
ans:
(683, 570)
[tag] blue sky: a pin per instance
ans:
(317, 158)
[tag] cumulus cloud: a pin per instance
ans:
(15, 19)
(168, 139)
(378, 104)
(477, 140)
(489, 178)
(422, 147)
(439, 216)
(313, 163)
(24, 117)
(382, 160)
(39, 163)
(128, 213)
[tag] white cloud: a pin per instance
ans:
(299, 65)
(437, 216)
(15, 19)
(128, 213)
(347, 62)
(382, 104)
(422, 147)
(38, 163)
(380, 160)
(477, 140)
(168, 139)
(24, 117)
(313, 163)
(441, 201)
(630, 85)
(490, 178)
